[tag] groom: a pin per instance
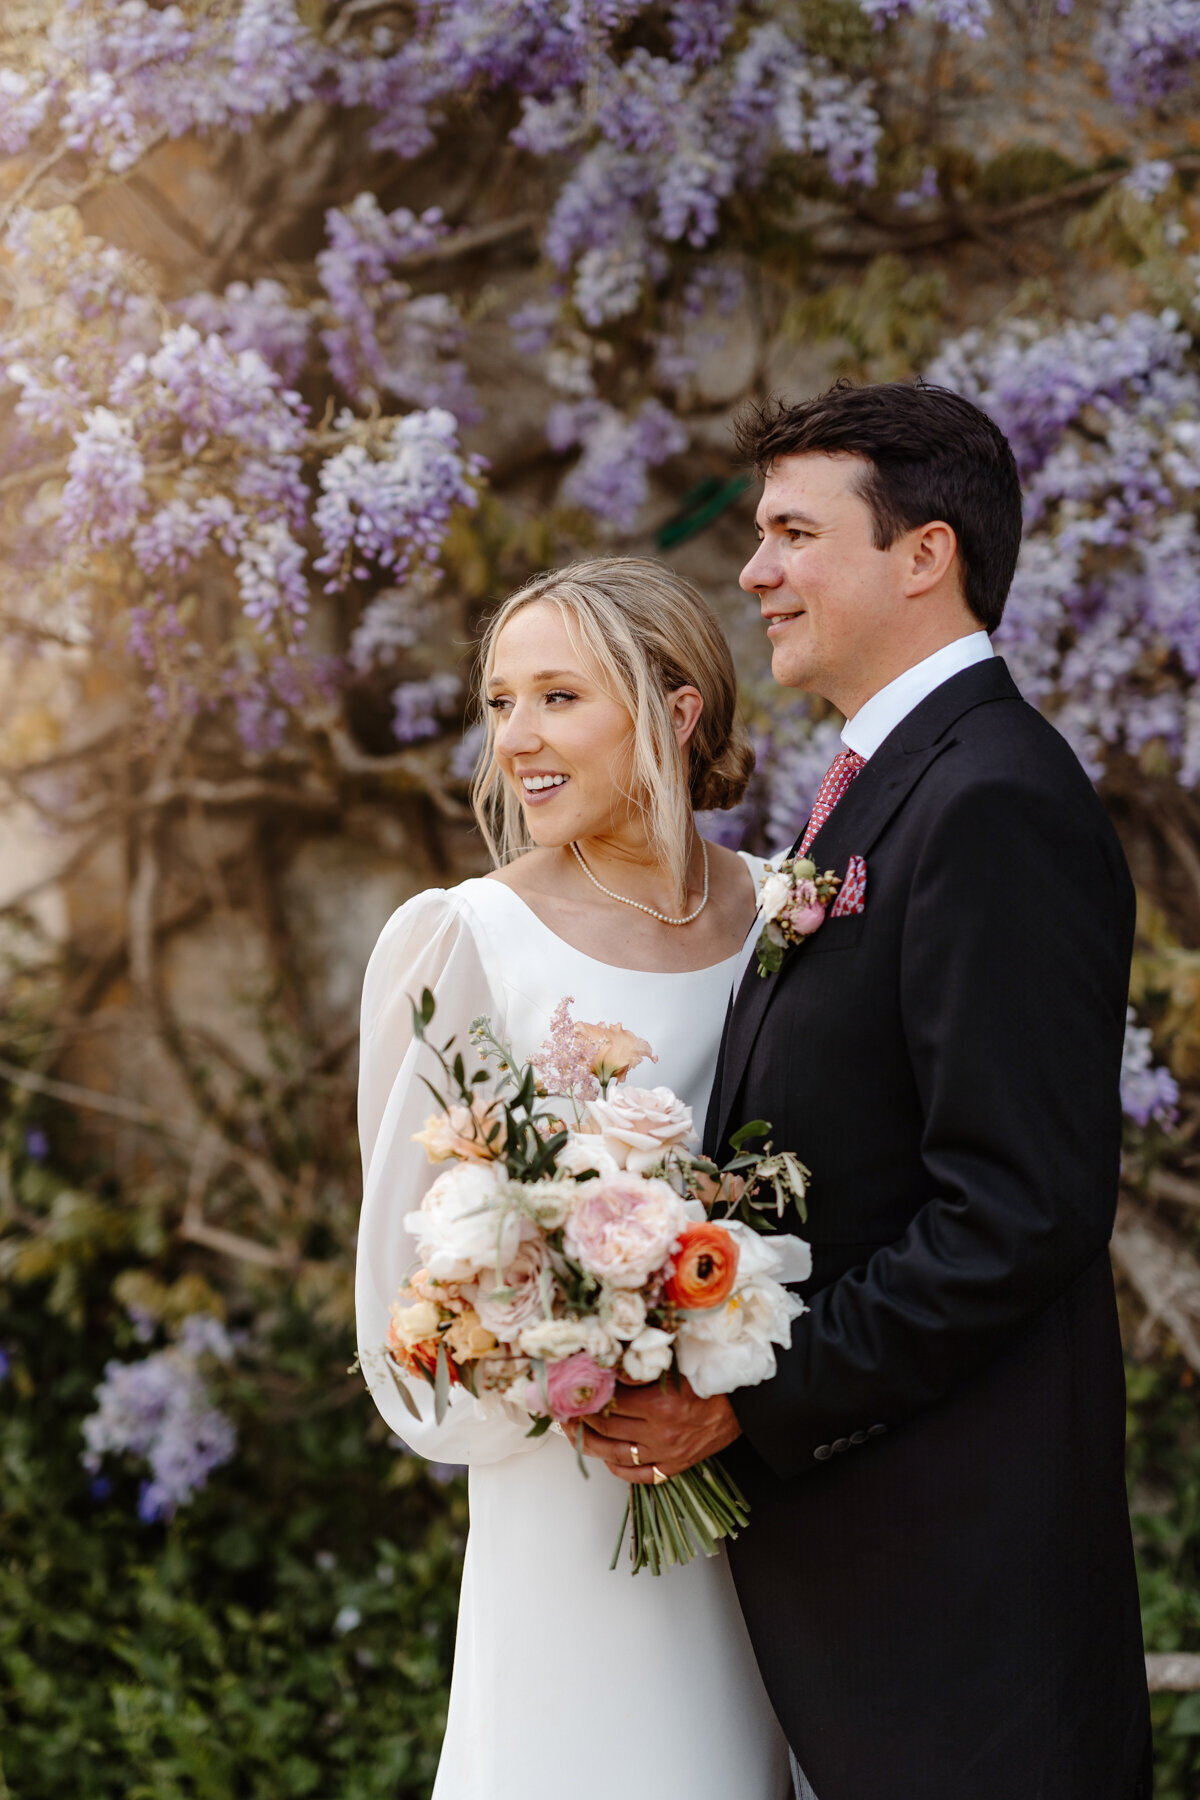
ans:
(938, 1574)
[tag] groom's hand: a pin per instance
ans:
(667, 1427)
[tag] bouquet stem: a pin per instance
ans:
(680, 1518)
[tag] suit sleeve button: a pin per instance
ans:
(858, 1437)
(840, 1444)
(877, 1431)
(823, 1452)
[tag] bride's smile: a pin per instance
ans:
(562, 740)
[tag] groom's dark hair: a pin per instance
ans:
(930, 455)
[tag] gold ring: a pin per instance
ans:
(659, 1477)
(635, 1456)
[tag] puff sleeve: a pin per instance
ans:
(428, 943)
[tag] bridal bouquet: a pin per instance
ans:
(575, 1238)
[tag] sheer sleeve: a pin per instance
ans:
(426, 944)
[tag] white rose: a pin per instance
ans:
(586, 1150)
(457, 1221)
(624, 1312)
(649, 1355)
(774, 895)
(639, 1125)
(728, 1347)
(554, 1339)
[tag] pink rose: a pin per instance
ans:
(623, 1229)
(579, 1386)
(507, 1318)
(804, 920)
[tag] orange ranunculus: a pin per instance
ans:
(705, 1270)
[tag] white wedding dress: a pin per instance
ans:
(568, 1679)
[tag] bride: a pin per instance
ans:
(611, 715)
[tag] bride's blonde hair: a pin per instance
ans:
(646, 632)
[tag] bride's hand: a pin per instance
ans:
(669, 1428)
(724, 1190)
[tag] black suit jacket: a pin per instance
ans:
(938, 1573)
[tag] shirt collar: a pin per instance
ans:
(879, 716)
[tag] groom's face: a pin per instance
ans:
(828, 596)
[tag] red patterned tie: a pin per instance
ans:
(838, 776)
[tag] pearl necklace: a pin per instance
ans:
(654, 913)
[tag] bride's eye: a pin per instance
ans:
(498, 702)
(560, 694)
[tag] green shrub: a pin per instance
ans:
(290, 1632)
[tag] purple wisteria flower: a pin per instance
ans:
(1150, 48)
(205, 390)
(969, 17)
(126, 73)
(394, 621)
(160, 1411)
(106, 478)
(1148, 1090)
(392, 510)
(261, 317)
(388, 339)
(610, 479)
(1102, 626)
(1148, 179)
(420, 708)
(23, 107)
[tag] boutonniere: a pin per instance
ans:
(792, 902)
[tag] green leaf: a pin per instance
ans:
(441, 1102)
(540, 1427)
(754, 1128)
(403, 1392)
(428, 1006)
(544, 1160)
(441, 1384)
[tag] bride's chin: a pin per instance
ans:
(545, 835)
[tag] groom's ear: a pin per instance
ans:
(686, 707)
(932, 555)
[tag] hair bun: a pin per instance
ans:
(720, 784)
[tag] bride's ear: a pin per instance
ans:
(686, 707)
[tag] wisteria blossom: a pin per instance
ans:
(387, 339)
(1149, 48)
(261, 316)
(420, 708)
(1148, 1090)
(160, 1411)
(1102, 627)
(392, 509)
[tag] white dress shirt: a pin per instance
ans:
(879, 716)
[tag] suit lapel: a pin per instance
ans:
(853, 828)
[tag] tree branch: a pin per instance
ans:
(1166, 1276)
(1173, 1672)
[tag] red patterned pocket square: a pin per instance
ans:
(852, 895)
